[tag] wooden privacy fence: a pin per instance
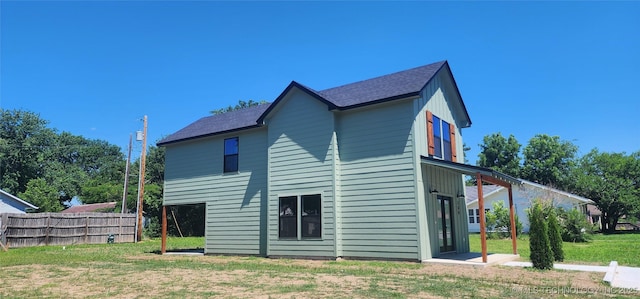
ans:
(23, 230)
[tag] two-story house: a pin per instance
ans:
(369, 169)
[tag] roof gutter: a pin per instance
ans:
(207, 135)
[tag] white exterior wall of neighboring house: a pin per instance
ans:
(12, 204)
(523, 196)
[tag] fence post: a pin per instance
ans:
(47, 229)
(86, 229)
(120, 229)
(3, 230)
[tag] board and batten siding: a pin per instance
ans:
(437, 98)
(377, 188)
(235, 202)
(301, 162)
(450, 184)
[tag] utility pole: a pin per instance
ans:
(126, 179)
(141, 184)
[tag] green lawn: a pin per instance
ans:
(623, 248)
(137, 271)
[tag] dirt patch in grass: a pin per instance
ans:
(515, 275)
(280, 278)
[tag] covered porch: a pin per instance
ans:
(482, 175)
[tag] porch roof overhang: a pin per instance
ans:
(482, 175)
(503, 179)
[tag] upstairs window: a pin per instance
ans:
(437, 137)
(441, 137)
(231, 154)
(446, 140)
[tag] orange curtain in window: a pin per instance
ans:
(431, 142)
(452, 129)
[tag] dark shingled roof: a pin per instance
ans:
(385, 88)
(219, 123)
(393, 86)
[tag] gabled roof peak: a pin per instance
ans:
(391, 86)
(394, 86)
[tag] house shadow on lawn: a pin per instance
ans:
(187, 251)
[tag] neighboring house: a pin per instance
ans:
(363, 170)
(595, 215)
(522, 197)
(106, 207)
(12, 204)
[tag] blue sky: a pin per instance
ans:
(94, 69)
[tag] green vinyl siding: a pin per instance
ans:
(300, 138)
(235, 215)
(377, 188)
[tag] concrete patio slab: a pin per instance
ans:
(472, 259)
(626, 277)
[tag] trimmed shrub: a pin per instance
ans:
(541, 254)
(555, 238)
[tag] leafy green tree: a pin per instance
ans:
(500, 153)
(555, 237)
(549, 161)
(24, 141)
(43, 195)
(634, 174)
(72, 165)
(241, 105)
(611, 181)
(465, 150)
(95, 190)
(541, 254)
(104, 165)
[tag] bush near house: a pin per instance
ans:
(574, 226)
(541, 253)
(499, 223)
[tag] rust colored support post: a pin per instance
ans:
(164, 230)
(513, 221)
(483, 229)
